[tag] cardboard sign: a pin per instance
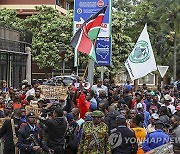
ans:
(54, 92)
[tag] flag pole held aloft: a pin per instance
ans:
(83, 40)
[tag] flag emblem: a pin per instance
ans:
(141, 60)
(140, 53)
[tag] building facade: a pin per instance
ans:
(27, 8)
(13, 56)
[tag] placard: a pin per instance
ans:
(54, 92)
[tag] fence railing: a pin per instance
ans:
(10, 45)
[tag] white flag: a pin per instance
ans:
(141, 60)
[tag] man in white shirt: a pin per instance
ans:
(99, 87)
(35, 84)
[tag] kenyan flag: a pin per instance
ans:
(84, 38)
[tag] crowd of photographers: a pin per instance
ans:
(101, 119)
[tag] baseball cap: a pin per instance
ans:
(31, 114)
(155, 116)
(139, 105)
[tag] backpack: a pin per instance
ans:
(72, 138)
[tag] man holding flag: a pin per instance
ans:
(141, 60)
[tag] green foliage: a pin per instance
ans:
(51, 35)
(9, 19)
(121, 43)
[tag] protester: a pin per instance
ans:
(31, 91)
(156, 138)
(76, 116)
(151, 127)
(99, 87)
(175, 122)
(7, 133)
(84, 120)
(56, 128)
(140, 132)
(125, 137)
(30, 137)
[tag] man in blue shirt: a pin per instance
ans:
(156, 138)
(128, 86)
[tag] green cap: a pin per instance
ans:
(97, 113)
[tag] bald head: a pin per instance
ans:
(75, 112)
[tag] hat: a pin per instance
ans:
(139, 105)
(30, 114)
(155, 116)
(97, 113)
(88, 118)
(178, 108)
(119, 117)
(167, 97)
(25, 81)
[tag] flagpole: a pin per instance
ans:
(136, 85)
(91, 69)
(85, 71)
(102, 73)
(91, 72)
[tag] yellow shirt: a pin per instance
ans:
(140, 135)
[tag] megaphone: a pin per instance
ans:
(86, 85)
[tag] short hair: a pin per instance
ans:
(99, 79)
(92, 93)
(17, 112)
(29, 98)
(34, 82)
(59, 112)
(121, 121)
(76, 111)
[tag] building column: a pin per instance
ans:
(28, 64)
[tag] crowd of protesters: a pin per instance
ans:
(102, 119)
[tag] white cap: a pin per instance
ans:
(139, 105)
(155, 116)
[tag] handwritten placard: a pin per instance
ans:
(54, 92)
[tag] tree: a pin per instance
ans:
(169, 21)
(9, 19)
(52, 32)
(121, 44)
